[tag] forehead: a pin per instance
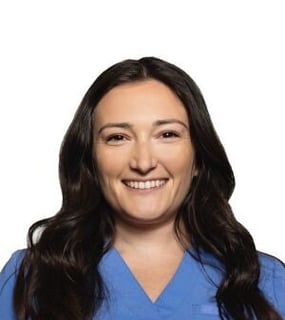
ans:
(148, 100)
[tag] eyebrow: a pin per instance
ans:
(127, 125)
(124, 125)
(169, 121)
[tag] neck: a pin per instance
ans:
(146, 238)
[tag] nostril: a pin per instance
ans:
(143, 165)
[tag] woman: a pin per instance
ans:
(145, 230)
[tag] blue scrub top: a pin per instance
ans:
(190, 294)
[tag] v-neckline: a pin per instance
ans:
(126, 295)
(138, 284)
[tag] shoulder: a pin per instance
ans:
(272, 280)
(10, 269)
(12, 265)
(270, 263)
(8, 277)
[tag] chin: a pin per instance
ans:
(145, 219)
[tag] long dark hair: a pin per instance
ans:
(59, 277)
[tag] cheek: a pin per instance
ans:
(180, 163)
(109, 165)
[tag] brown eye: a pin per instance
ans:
(170, 134)
(116, 137)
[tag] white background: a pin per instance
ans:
(51, 51)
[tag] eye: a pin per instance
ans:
(170, 134)
(116, 139)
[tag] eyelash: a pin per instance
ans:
(170, 134)
(115, 138)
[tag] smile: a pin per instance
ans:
(145, 184)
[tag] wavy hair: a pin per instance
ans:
(59, 277)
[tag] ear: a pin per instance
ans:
(194, 172)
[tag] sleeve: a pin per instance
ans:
(7, 283)
(279, 286)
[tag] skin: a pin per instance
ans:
(141, 133)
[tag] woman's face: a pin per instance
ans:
(143, 151)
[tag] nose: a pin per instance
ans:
(143, 159)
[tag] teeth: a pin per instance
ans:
(145, 184)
